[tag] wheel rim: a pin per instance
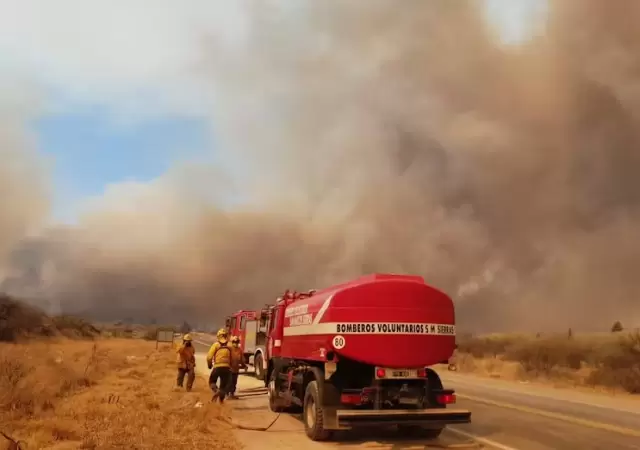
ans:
(311, 413)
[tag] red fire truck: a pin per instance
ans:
(251, 327)
(358, 354)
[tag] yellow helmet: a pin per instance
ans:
(222, 334)
(187, 337)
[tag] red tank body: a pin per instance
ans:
(395, 321)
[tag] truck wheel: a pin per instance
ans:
(273, 395)
(312, 414)
(257, 364)
(274, 402)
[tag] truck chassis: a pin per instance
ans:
(347, 395)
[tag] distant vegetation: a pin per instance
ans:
(18, 320)
(609, 360)
(21, 321)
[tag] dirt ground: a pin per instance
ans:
(104, 394)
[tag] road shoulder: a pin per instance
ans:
(253, 410)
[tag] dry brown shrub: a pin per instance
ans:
(104, 394)
(621, 366)
(19, 320)
(607, 360)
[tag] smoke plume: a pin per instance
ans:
(23, 192)
(368, 136)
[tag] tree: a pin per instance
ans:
(616, 327)
(185, 328)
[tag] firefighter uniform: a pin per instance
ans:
(186, 362)
(219, 360)
(237, 363)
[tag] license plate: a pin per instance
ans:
(402, 373)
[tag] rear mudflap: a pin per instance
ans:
(330, 405)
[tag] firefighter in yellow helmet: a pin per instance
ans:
(186, 362)
(219, 360)
(237, 363)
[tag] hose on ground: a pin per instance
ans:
(250, 393)
(248, 428)
(13, 444)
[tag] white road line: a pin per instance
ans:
(459, 378)
(482, 440)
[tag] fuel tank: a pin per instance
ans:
(395, 321)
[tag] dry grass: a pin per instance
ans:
(104, 394)
(609, 361)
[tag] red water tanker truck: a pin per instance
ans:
(358, 354)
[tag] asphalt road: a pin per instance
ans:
(505, 415)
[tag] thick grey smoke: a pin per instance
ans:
(373, 137)
(23, 190)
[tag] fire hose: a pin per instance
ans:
(248, 428)
(13, 444)
(250, 393)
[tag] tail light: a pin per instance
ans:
(350, 399)
(446, 399)
(422, 373)
(356, 396)
(380, 373)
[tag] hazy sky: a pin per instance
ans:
(117, 87)
(360, 136)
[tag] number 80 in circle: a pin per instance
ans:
(339, 342)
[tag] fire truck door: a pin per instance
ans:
(251, 328)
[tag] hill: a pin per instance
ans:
(19, 320)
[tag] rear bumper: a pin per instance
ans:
(432, 418)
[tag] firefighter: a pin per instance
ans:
(237, 363)
(219, 360)
(186, 362)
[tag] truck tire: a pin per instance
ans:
(258, 365)
(274, 405)
(312, 415)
